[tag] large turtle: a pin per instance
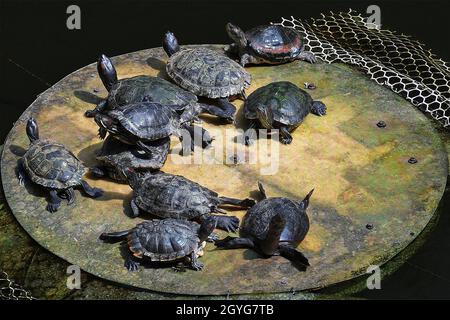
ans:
(271, 44)
(141, 123)
(173, 196)
(54, 167)
(206, 73)
(279, 105)
(116, 155)
(133, 90)
(167, 240)
(274, 226)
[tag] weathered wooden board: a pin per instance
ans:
(361, 175)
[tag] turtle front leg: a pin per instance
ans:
(245, 203)
(99, 108)
(250, 134)
(307, 56)
(195, 263)
(286, 137)
(134, 208)
(21, 173)
(131, 263)
(227, 115)
(69, 195)
(54, 201)
(90, 191)
(234, 243)
(227, 223)
(227, 107)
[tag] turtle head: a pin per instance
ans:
(32, 130)
(206, 228)
(305, 202)
(170, 43)
(131, 175)
(107, 72)
(236, 34)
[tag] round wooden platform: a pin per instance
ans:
(360, 172)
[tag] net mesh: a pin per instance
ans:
(394, 60)
(12, 291)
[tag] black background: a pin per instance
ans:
(36, 50)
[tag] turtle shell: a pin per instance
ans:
(207, 73)
(133, 90)
(52, 165)
(288, 103)
(256, 221)
(164, 240)
(172, 196)
(115, 154)
(275, 42)
(146, 120)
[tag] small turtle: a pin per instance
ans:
(271, 44)
(54, 167)
(206, 73)
(116, 155)
(133, 90)
(171, 196)
(167, 240)
(274, 226)
(279, 105)
(141, 123)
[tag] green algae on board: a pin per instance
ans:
(360, 173)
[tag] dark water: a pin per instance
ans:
(37, 50)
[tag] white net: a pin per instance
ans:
(395, 61)
(12, 291)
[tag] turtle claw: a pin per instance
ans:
(197, 265)
(131, 265)
(89, 113)
(227, 223)
(286, 140)
(53, 207)
(319, 109)
(213, 237)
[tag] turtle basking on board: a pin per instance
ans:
(206, 73)
(279, 105)
(133, 90)
(167, 240)
(172, 196)
(116, 155)
(273, 226)
(268, 44)
(54, 167)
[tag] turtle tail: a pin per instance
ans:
(114, 236)
(32, 130)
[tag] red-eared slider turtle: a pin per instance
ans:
(133, 90)
(271, 44)
(279, 105)
(141, 123)
(274, 226)
(54, 167)
(206, 73)
(172, 196)
(167, 240)
(116, 155)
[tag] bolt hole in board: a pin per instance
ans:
(370, 201)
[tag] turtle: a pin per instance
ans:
(172, 196)
(279, 105)
(141, 123)
(134, 89)
(274, 226)
(206, 73)
(115, 155)
(167, 240)
(267, 44)
(54, 167)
